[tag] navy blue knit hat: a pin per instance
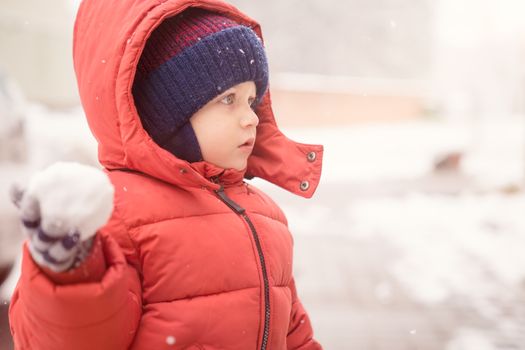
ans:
(187, 61)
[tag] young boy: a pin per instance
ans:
(192, 257)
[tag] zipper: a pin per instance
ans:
(242, 212)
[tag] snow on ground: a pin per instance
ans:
(470, 339)
(449, 245)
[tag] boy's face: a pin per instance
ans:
(226, 127)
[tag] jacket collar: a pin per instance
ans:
(215, 174)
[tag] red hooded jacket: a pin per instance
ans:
(193, 257)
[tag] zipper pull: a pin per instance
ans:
(229, 202)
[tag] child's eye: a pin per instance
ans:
(251, 102)
(228, 99)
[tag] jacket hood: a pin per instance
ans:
(109, 37)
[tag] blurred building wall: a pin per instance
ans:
(311, 100)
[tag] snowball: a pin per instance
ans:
(72, 196)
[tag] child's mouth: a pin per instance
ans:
(248, 143)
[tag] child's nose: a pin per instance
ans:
(250, 119)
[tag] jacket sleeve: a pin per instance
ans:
(300, 333)
(95, 306)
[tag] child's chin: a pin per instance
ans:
(240, 166)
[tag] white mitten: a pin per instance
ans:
(61, 210)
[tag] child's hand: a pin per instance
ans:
(61, 210)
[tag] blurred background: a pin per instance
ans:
(414, 239)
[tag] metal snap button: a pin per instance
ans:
(305, 185)
(311, 156)
(183, 171)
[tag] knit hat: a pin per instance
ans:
(187, 61)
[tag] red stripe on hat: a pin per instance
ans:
(177, 33)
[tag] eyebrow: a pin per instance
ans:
(231, 90)
(226, 93)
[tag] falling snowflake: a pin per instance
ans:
(241, 51)
(170, 340)
(103, 61)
